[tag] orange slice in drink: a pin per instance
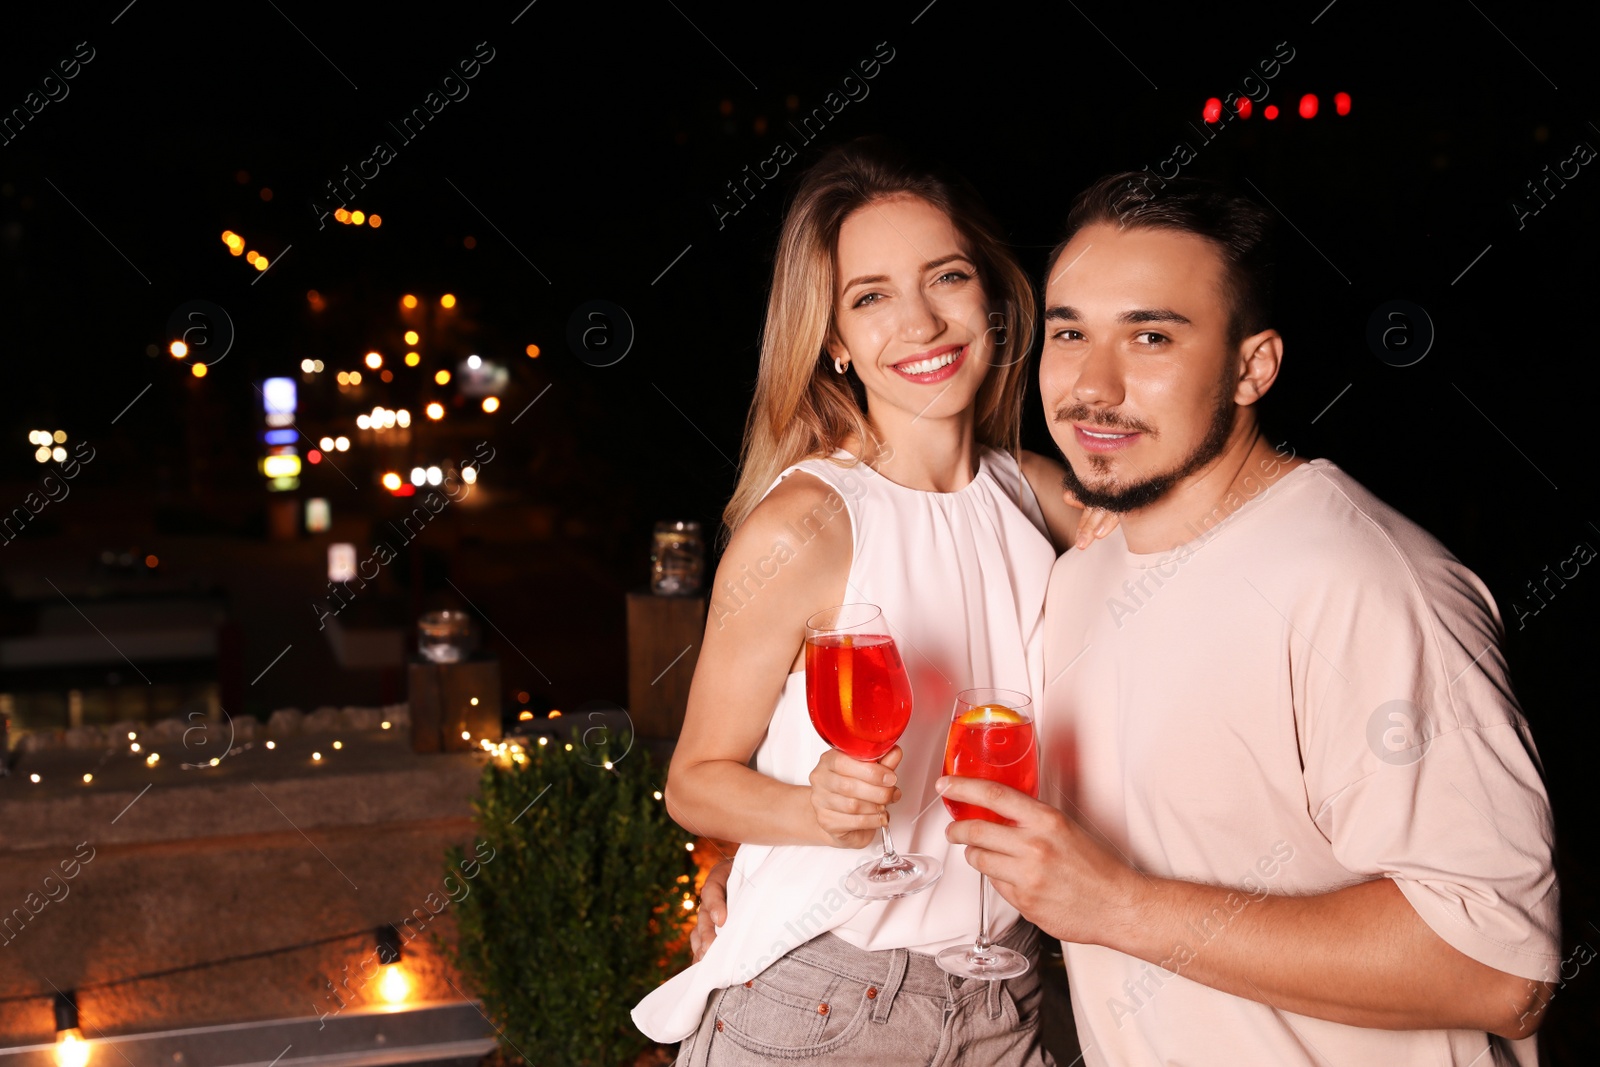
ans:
(987, 713)
(846, 683)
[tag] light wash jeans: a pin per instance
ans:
(828, 1002)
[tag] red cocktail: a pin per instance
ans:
(991, 741)
(991, 737)
(860, 703)
(858, 693)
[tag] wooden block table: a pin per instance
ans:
(664, 634)
(441, 697)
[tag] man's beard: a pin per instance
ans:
(1131, 496)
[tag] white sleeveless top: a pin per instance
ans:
(961, 579)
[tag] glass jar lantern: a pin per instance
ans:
(677, 560)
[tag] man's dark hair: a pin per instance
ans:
(1239, 228)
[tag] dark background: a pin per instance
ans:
(598, 139)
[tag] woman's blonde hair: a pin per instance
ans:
(803, 407)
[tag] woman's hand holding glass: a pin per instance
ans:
(851, 798)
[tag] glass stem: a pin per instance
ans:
(981, 947)
(890, 857)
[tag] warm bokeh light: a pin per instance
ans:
(374, 360)
(413, 358)
(280, 466)
(344, 379)
(228, 237)
(408, 301)
(474, 361)
(178, 349)
(448, 300)
(307, 366)
(391, 481)
(412, 337)
(342, 444)
(199, 370)
(374, 221)
(342, 215)
(59, 437)
(71, 1049)
(355, 377)
(152, 561)
(435, 410)
(442, 378)
(533, 351)
(469, 475)
(491, 404)
(387, 375)
(358, 217)
(1246, 107)
(402, 418)
(1308, 106)
(1270, 112)
(1341, 103)
(59, 454)
(262, 263)
(251, 256)
(42, 454)
(363, 421)
(237, 249)
(524, 715)
(395, 986)
(1213, 110)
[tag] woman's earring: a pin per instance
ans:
(840, 365)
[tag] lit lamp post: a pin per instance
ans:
(71, 1049)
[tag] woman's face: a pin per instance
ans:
(911, 315)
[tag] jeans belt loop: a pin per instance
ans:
(898, 960)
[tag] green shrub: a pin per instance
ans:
(579, 913)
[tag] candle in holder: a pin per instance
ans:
(677, 562)
(446, 636)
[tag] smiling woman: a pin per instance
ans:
(885, 428)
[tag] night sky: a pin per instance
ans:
(588, 156)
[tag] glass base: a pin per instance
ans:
(990, 964)
(908, 873)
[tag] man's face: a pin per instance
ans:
(1138, 375)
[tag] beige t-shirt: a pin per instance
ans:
(1309, 694)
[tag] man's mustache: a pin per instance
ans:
(1110, 420)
